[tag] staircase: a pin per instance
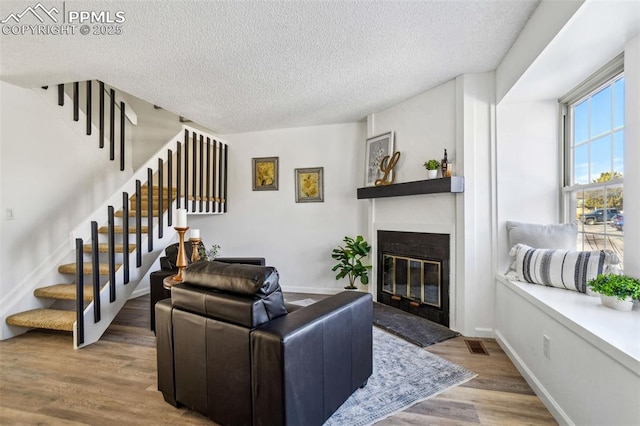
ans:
(122, 243)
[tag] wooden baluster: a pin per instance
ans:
(125, 237)
(111, 254)
(138, 224)
(61, 94)
(193, 176)
(170, 187)
(160, 197)
(112, 125)
(79, 291)
(89, 105)
(101, 114)
(122, 135)
(149, 209)
(208, 174)
(95, 263)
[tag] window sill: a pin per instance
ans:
(613, 332)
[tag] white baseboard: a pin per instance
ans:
(311, 290)
(554, 408)
(483, 332)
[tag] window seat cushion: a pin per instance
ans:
(565, 269)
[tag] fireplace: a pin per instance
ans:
(413, 273)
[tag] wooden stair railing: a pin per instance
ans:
(198, 184)
(120, 130)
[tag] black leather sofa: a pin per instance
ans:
(229, 348)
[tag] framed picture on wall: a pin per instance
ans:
(377, 148)
(309, 185)
(265, 173)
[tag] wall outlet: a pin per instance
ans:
(8, 214)
(546, 346)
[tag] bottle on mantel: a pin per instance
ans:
(443, 164)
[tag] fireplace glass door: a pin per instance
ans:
(417, 280)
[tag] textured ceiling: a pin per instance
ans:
(237, 66)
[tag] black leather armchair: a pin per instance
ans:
(228, 347)
(169, 268)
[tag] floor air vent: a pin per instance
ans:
(476, 347)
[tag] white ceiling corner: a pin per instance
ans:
(238, 66)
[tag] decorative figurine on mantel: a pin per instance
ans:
(386, 167)
(443, 164)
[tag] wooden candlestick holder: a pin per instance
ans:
(182, 260)
(195, 253)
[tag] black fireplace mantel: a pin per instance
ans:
(454, 184)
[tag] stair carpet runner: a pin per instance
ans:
(63, 320)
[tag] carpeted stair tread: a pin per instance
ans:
(118, 229)
(51, 319)
(104, 248)
(143, 213)
(70, 268)
(63, 292)
(156, 189)
(197, 198)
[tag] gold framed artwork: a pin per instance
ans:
(309, 185)
(265, 173)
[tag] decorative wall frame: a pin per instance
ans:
(377, 148)
(265, 173)
(309, 185)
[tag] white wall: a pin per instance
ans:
(632, 155)
(527, 168)
(51, 178)
(296, 238)
(475, 138)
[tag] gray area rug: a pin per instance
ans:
(403, 375)
(417, 330)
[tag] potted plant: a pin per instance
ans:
(616, 291)
(432, 168)
(349, 259)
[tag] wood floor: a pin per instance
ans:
(44, 381)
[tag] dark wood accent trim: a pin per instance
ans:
(215, 194)
(194, 163)
(160, 197)
(150, 209)
(452, 184)
(178, 175)
(186, 169)
(112, 255)
(208, 174)
(125, 236)
(101, 114)
(224, 197)
(122, 134)
(76, 101)
(201, 173)
(61, 94)
(112, 125)
(138, 224)
(80, 291)
(95, 281)
(170, 186)
(89, 106)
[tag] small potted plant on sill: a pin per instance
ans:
(432, 168)
(349, 259)
(616, 291)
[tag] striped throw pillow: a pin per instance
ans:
(567, 269)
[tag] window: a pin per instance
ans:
(593, 188)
